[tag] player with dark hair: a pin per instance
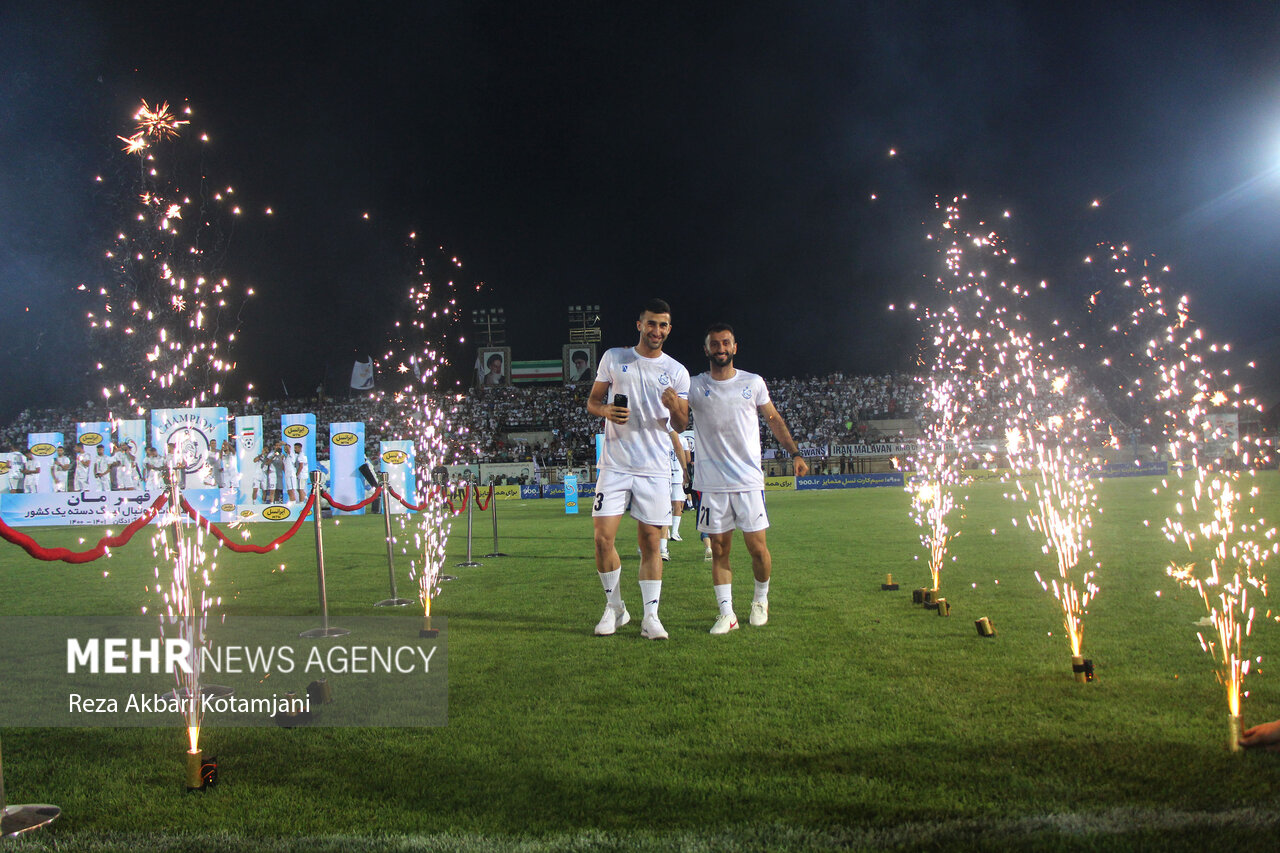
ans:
(726, 403)
(639, 391)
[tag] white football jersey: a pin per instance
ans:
(642, 445)
(726, 429)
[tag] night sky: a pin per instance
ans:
(721, 156)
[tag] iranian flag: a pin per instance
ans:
(551, 370)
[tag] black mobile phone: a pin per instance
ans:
(620, 400)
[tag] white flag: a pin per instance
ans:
(362, 375)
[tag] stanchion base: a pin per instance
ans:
(473, 563)
(444, 578)
(428, 632)
(392, 602)
(496, 554)
(324, 632)
(16, 820)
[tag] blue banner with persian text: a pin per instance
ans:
(300, 429)
(45, 447)
(346, 455)
(103, 508)
(396, 458)
(849, 481)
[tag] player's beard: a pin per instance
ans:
(722, 359)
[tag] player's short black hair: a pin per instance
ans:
(720, 327)
(656, 306)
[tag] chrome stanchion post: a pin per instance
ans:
(394, 600)
(324, 630)
(493, 508)
(466, 496)
(15, 820)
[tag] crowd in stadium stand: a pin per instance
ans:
(519, 423)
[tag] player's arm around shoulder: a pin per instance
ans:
(778, 427)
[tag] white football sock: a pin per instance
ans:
(675, 524)
(610, 580)
(762, 591)
(724, 598)
(651, 592)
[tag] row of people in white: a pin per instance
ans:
(280, 473)
(95, 470)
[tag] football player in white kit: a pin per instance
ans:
(102, 466)
(635, 467)
(61, 469)
(83, 476)
(679, 479)
(301, 471)
(727, 403)
(153, 466)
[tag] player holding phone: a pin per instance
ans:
(649, 387)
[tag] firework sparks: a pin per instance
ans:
(165, 281)
(414, 359)
(1013, 390)
(1197, 408)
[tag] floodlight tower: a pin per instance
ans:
(584, 324)
(494, 323)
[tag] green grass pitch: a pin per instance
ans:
(854, 719)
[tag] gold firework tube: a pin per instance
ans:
(427, 630)
(1234, 730)
(888, 584)
(195, 760)
(944, 607)
(985, 628)
(1078, 667)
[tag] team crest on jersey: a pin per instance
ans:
(664, 379)
(746, 393)
(624, 368)
(706, 392)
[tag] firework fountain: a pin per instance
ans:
(167, 321)
(995, 380)
(1183, 389)
(958, 353)
(415, 357)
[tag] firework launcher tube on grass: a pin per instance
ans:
(320, 692)
(324, 630)
(917, 595)
(467, 501)
(888, 584)
(985, 628)
(944, 607)
(15, 820)
(1083, 669)
(931, 599)
(395, 600)
(494, 506)
(1234, 730)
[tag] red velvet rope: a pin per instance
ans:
(407, 505)
(245, 547)
(68, 556)
(435, 491)
(485, 505)
(373, 497)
